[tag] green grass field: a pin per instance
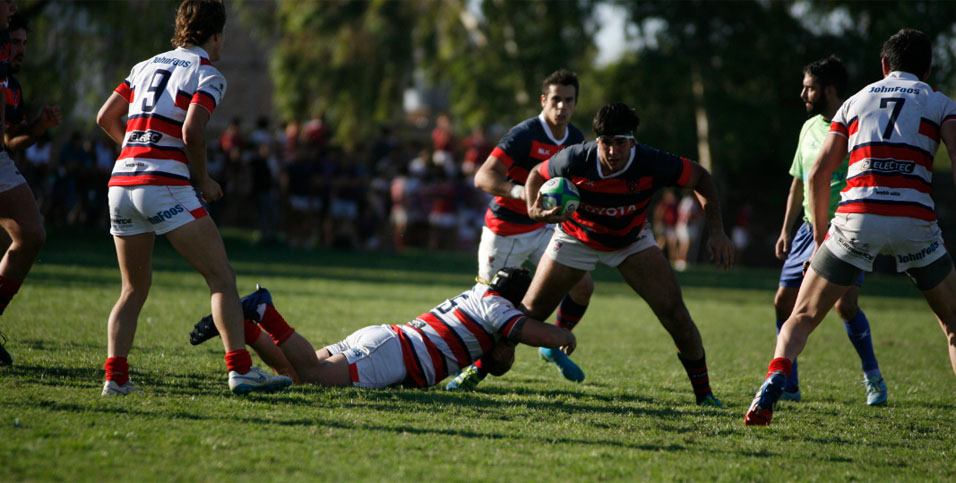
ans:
(632, 419)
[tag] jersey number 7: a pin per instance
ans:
(897, 107)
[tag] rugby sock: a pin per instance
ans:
(697, 372)
(481, 369)
(252, 331)
(117, 370)
(239, 361)
(793, 380)
(275, 325)
(569, 313)
(8, 288)
(858, 330)
(780, 364)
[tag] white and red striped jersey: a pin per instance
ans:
(159, 91)
(455, 334)
(892, 130)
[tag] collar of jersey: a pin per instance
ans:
(547, 130)
(628, 165)
(898, 74)
(201, 52)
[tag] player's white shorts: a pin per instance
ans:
(856, 238)
(10, 176)
(571, 252)
(496, 252)
(147, 208)
(374, 355)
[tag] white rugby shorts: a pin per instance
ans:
(856, 238)
(10, 176)
(148, 208)
(569, 251)
(374, 355)
(496, 252)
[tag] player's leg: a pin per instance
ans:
(858, 330)
(134, 256)
(937, 281)
(21, 219)
(370, 357)
(651, 276)
(791, 276)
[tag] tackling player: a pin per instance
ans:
(480, 321)
(509, 237)
(891, 130)
(168, 99)
(824, 83)
(616, 177)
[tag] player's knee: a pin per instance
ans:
(221, 278)
(582, 291)
(847, 309)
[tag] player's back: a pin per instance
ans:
(159, 91)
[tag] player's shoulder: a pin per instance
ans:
(575, 136)
(525, 128)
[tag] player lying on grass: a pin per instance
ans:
(481, 320)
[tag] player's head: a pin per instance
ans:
(818, 79)
(18, 41)
(198, 22)
(511, 283)
(908, 50)
(7, 8)
(614, 126)
(559, 97)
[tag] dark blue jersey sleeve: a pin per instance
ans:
(515, 145)
(667, 169)
(566, 163)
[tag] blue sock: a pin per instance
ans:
(793, 382)
(858, 330)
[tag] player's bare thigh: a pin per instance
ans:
(200, 244)
(551, 282)
(650, 275)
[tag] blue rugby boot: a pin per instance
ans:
(568, 368)
(875, 390)
(761, 409)
(206, 329)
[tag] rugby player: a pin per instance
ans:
(891, 130)
(509, 237)
(480, 321)
(616, 177)
(168, 99)
(824, 84)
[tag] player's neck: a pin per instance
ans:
(558, 131)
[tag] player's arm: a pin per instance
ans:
(794, 207)
(194, 129)
(492, 179)
(538, 334)
(829, 159)
(719, 246)
(110, 117)
(22, 136)
(532, 198)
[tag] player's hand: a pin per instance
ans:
(539, 213)
(806, 264)
(782, 248)
(50, 117)
(210, 190)
(721, 250)
(569, 348)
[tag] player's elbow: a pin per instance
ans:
(192, 135)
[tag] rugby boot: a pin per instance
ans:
(467, 379)
(256, 381)
(761, 409)
(205, 329)
(875, 390)
(568, 368)
(111, 388)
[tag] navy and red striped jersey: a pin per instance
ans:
(456, 333)
(892, 131)
(159, 91)
(15, 112)
(614, 207)
(525, 145)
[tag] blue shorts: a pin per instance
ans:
(800, 251)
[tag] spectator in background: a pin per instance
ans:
(315, 133)
(477, 149)
(443, 144)
(687, 230)
(664, 225)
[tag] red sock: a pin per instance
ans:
(780, 364)
(117, 370)
(481, 369)
(8, 288)
(239, 361)
(275, 325)
(252, 331)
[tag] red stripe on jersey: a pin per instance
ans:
(615, 185)
(898, 153)
(506, 329)
(853, 127)
(948, 118)
(484, 339)
(888, 181)
(154, 124)
(204, 100)
(353, 372)
(685, 173)
(451, 339)
(150, 179)
(518, 174)
(542, 151)
(907, 210)
(182, 101)
(204, 61)
(125, 91)
(147, 152)
(503, 157)
(580, 234)
(929, 129)
(504, 228)
(11, 97)
(408, 357)
(199, 212)
(438, 360)
(543, 170)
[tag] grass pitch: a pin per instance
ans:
(632, 418)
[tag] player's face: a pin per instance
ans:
(7, 8)
(18, 44)
(614, 152)
(558, 104)
(813, 96)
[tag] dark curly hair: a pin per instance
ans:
(197, 21)
(615, 119)
(829, 72)
(908, 51)
(561, 77)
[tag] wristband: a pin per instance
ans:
(516, 191)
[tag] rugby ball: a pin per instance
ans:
(560, 192)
